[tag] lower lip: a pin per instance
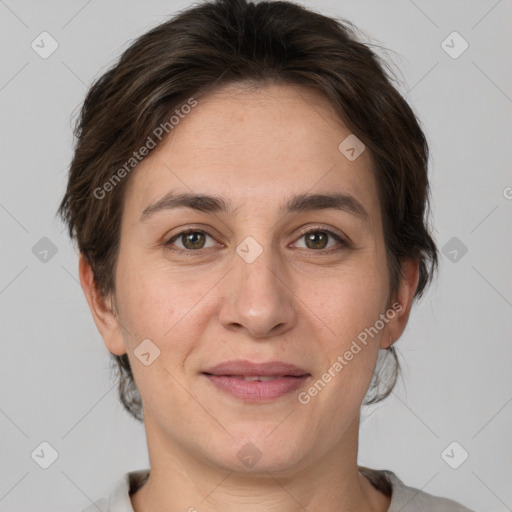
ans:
(255, 390)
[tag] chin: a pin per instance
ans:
(255, 451)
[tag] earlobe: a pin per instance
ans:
(402, 302)
(102, 309)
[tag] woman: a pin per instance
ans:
(249, 196)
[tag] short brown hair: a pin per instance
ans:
(235, 41)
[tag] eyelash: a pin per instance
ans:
(344, 243)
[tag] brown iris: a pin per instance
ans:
(316, 240)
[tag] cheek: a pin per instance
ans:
(148, 304)
(352, 301)
(167, 308)
(351, 343)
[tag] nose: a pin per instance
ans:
(258, 300)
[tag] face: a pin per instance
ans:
(264, 273)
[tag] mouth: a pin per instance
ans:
(256, 382)
(261, 378)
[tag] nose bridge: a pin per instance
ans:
(257, 299)
(259, 286)
(258, 277)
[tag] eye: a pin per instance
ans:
(318, 239)
(194, 240)
(191, 240)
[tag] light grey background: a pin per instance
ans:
(55, 382)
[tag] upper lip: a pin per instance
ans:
(249, 369)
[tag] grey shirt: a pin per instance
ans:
(403, 498)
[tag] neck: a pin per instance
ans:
(181, 481)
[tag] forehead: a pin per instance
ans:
(257, 147)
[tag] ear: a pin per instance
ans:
(102, 309)
(401, 303)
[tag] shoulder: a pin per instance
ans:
(119, 500)
(409, 499)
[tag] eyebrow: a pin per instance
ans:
(297, 203)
